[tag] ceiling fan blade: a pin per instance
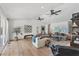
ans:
(58, 11)
(56, 14)
(52, 12)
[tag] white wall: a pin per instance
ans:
(1, 12)
(20, 23)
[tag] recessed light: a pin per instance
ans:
(42, 7)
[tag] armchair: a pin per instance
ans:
(37, 42)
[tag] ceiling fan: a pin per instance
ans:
(39, 18)
(53, 12)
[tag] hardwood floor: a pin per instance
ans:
(24, 48)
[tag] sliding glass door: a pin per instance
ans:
(3, 31)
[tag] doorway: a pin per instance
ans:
(43, 30)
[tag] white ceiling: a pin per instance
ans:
(26, 10)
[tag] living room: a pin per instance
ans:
(30, 29)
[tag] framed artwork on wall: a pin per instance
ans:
(27, 28)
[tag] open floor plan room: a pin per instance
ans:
(39, 29)
(24, 48)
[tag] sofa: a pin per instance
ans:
(58, 50)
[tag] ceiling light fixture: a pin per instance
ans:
(42, 7)
(74, 24)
